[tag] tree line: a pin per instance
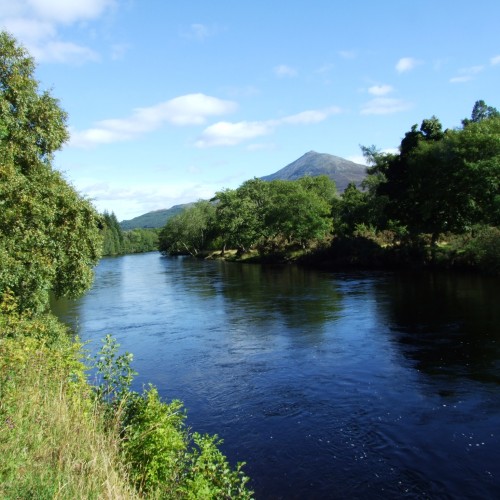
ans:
(119, 242)
(439, 195)
(270, 217)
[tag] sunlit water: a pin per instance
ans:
(329, 385)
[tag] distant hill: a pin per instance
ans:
(340, 170)
(153, 219)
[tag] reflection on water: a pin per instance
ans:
(329, 385)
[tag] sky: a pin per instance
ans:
(170, 101)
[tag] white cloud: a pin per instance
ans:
(495, 60)
(284, 71)
(190, 109)
(312, 116)
(233, 133)
(467, 74)
(360, 159)
(230, 134)
(385, 106)
(62, 11)
(36, 23)
(461, 79)
(128, 202)
(347, 54)
(63, 52)
(407, 64)
(380, 90)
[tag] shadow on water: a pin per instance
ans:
(257, 298)
(448, 324)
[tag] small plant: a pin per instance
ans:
(163, 459)
(114, 372)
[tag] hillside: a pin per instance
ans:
(340, 170)
(153, 219)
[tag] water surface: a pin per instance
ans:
(329, 385)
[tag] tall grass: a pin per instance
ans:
(63, 438)
(52, 438)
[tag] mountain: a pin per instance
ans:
(153, 219)
(340, 170)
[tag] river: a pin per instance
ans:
(328, 385)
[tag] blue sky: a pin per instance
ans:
(169, 101)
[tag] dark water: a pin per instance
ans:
(329, 385)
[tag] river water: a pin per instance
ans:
(329, 385)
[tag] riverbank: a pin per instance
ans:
(478, 253)
(61, 437)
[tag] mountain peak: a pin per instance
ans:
(312, 163)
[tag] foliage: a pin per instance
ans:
(481, 251)
(443, 181)
(268, 216)
(190, 231)
(49, 237)
(140, 240)
(112, 235)
(119, 242)
(164, 459)
(114, 372)
(52, 440)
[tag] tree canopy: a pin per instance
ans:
(49, 234)
(443, 181)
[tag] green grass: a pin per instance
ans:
(63, 438)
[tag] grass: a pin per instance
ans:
(52, 438)
(63, 438)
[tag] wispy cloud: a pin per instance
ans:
(406, 64)
(380, 90)
(190, 109)
(467, 74)
(129, 202)
(347, 54)
(385, 106)
(233, 133)
(199, 32)
(37, 23)
(285, 71)
(495, 60)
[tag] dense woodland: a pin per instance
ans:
(60, 435)
(435, 202)
(119, 242)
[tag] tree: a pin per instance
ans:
(240, 214)
(481, 111)
(113, 239)
(49, 234)
(444, 181)
(190, 231)
(300, 212)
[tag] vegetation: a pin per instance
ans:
(61, 437)
(271, 217)
(49, 237)
(118, 242)
(441, 188)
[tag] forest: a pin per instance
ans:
(436, 202)
(119, 242)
